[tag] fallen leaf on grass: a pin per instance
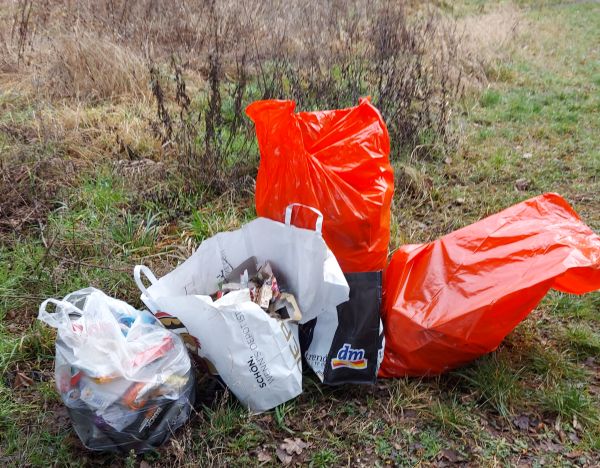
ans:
(453, 456)
(21, 380)
(264, 457)
(552, 447)
(294, 445)
(283, 457)
(562, 436)
(522, 422)
(521, 184)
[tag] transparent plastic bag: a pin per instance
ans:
(126, 380)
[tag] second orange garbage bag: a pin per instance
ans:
(452, 300)
(336, 161)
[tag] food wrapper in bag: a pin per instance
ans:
(127, 381)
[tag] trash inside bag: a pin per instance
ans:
(127, 382)
(265, 277)
(336, 161)
(271, 295)
(452, 300)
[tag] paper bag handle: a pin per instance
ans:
(290, 208)
(137, 276)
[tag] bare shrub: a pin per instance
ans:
(228, 53)
(329, 59)
(210, 141)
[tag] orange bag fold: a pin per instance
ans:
(452, 300)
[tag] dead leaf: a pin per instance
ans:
(264, 457)
(574, 454)
(557, 424)
(522, 422)
(145, 464)
(521, 184)
(452, 456)
(573, 437)
(294, 445)
(523, 463)
(539, 426)
(21, 380)
(562, 436)
(552, 447)
(283, 457)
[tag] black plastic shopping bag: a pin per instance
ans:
(345, 345)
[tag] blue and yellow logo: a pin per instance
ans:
(348, 357)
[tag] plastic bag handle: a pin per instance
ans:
(290, 208)
(137, 276)
(57, 303)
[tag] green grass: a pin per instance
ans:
(453, 416)
(323, 458)
(583, 339)
(496, 382)
(542, 101)
(570, 402)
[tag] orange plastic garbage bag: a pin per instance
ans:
(336, 161)
(452, 300)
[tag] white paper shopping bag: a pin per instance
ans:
(257, 356)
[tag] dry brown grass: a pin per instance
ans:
(83, 66)
(82, 74)
(488, 38)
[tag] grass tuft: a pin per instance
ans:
(570, 402)
(496, 382)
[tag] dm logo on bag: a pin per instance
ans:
(348, 357)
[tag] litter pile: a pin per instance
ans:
(264, 289)
(304, 282)
(126, 381)
(280, 268)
